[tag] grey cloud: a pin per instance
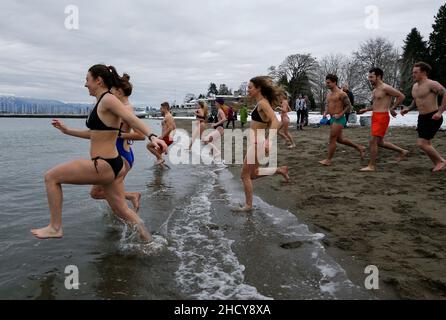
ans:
(171, 48)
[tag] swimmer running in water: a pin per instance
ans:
(168, 126)
(105, 164)
(126, 137)
(266, 94)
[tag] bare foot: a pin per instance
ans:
(402, 156)
(368, 169)
(242, 209)
(284, 172)
(325, 162)
(143, 233)
(135, 200)
(440, 167)
(47, 233)
(291, 146)
(362, 150)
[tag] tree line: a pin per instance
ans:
(302, 73)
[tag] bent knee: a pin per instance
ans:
(50, 176)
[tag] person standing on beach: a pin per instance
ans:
(266, 94)
(168, 126)
(425, 93)
(231, 117)
(202, 116)
(337, 105)
(284, 109)
(106, 165)
(219, 130)
(243, 115)
(351, 97)
(300, 112)
(122, 90)
(382, 100)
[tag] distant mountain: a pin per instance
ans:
(20, 105)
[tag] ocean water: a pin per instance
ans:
(201, 250)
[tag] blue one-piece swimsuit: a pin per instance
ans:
(127, 155)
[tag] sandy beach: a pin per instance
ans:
(393, 218)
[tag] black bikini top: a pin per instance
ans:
(93, 121)
(256, 116)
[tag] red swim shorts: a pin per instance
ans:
(380, 123)
(168, 140)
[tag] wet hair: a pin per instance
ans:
(203, 105)
(377, 72)
(332, 78)
(424, 67)
(165, 105)
(268, 89)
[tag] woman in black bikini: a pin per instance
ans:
(106, 165)
(266, 94)
(127, 136)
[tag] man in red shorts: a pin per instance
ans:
(168, 125)
(382, 100)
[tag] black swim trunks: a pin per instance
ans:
(428, 127)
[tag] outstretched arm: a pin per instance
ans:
(116, 107)
(133, 135)
(84, 134)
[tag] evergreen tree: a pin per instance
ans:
(437, 46)
(212, 89)
(414, 50)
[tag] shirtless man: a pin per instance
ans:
(338, 104)
(168, 125)
(382, 100)
(425, 93)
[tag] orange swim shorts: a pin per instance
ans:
(380, 123)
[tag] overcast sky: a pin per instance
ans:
(171, 48)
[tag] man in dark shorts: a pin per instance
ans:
(425, 93)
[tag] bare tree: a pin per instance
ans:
(381, 53)
(296, 74)
(330, 64)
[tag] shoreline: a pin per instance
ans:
(390, 218)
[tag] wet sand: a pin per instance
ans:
(393, 218)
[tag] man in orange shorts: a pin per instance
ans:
(168, 125)
(382, 100)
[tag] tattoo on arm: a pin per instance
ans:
(347, 104)
(441, 91)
